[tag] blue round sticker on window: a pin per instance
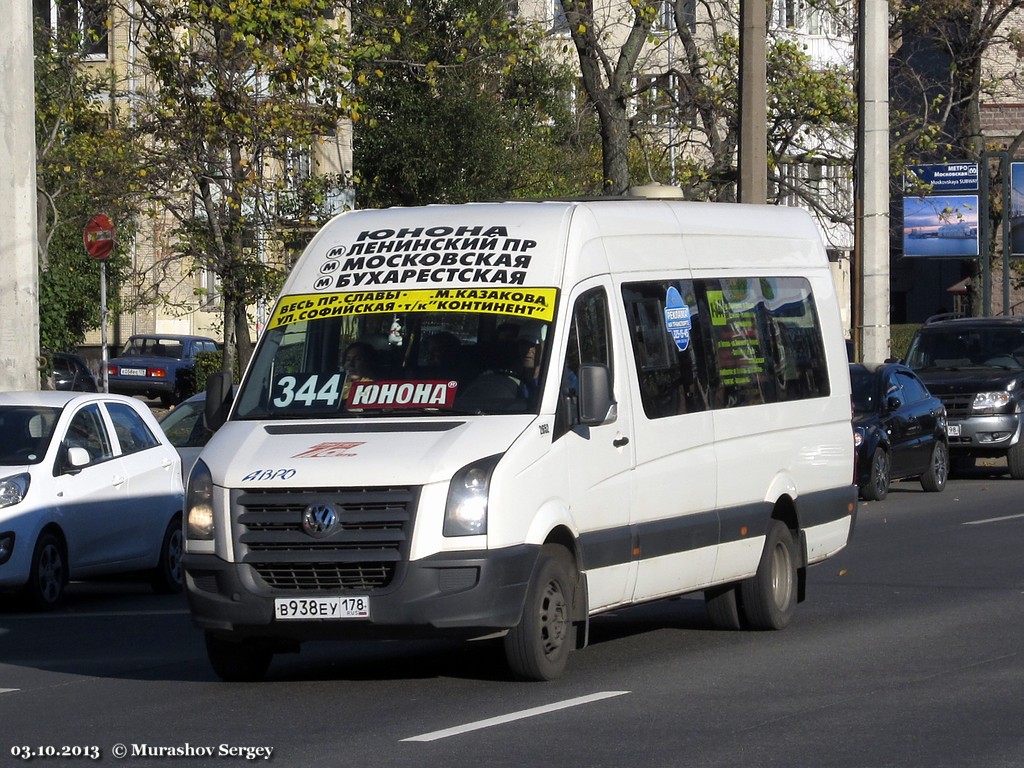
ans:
(677, 319)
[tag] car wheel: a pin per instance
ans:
(877, 487)
(723, 607)
(768, 598)
(169, 576)
(537, 648)
(938, 469)
(245, 661)
(1015, 461)
(49, 573)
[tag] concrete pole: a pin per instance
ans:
(752, 161)
(873, 182)
(19, 286)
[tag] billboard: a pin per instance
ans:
(940, 225)
(1017, 209)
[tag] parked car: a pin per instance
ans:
(158, 366)
(975, 365)
(89, 486)
(899, 429)
(186, 429)
(71, 373)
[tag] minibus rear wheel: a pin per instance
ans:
(537, 648)
(768, 598)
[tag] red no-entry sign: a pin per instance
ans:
(99, 237)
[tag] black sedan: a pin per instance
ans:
(899, 428)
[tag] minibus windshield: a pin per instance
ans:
(423, 363)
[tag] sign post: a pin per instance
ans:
(99, 243)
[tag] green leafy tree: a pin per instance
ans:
(663, 80)
(236, 93)
(85, 164)
(466, 106)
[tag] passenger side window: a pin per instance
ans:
(670, 347)
(132, 432)
(767, 340)
(589, 342)
(87, 431)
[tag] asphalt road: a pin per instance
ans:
(907, 653)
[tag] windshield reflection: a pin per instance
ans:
(387, 364)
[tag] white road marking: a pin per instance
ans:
(492, 721)
(993, 520)
(9, 690)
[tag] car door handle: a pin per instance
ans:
(620, 441)
(118, 481)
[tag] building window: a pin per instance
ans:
(559, 23)
(85, 21)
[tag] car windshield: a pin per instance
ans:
(153, 346)
(864, 390)
(420, 363)
(956, 348)
(184, 425)
(27, 432)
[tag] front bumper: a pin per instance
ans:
(984, 435)
(454, 593)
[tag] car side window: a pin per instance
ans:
(87, 431)
(132, 432)
(913, 389)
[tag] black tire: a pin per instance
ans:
(49, 574)
(723, 607)
(246, 661)
(169, 576)
(960, 465)
(1015, 461)
(934, 480)
(877, 487)
(537, 648)
(768, 598)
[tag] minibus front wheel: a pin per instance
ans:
(238, 662)
(537, 648)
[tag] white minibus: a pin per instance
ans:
(502, 419)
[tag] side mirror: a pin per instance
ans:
(893, 403)
(73, 459)
(596, 399)
(218, 400)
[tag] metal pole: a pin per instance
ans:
(103, 324)
(985, 222)
(1007, 244)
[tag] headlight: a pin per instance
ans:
(465, 514)
(199, 503)
(858, 436)
(13, 489)
(991, 401)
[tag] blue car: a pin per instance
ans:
(899, 429)
(158, 366)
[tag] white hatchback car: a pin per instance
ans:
(89, 486)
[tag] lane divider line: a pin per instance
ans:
(993, 520)
(512, 716)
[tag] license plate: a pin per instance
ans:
(953, 430)
(307, 608)
(133, 371)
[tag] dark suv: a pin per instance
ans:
(158, 366)
(975, 365)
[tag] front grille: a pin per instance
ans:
(363, 551)
(958, 406)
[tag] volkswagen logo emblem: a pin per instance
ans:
(318, 519)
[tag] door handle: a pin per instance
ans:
(620, 441)
(118, 481)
